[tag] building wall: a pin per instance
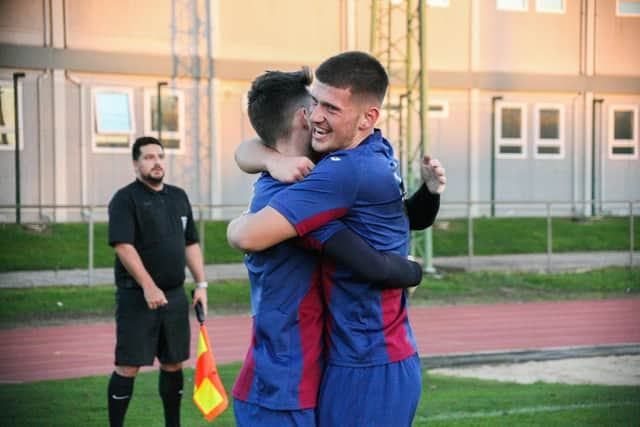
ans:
(22, 22)
(278, 30)
(449, 50)
(526, 57)
(618, 38)
(530, 41)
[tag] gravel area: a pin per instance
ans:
(615, 370)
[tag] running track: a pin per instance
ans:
(33, 354)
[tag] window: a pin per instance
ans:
(550, 6)
(438, 109)
(172, 106)
(628, 8)
(8, 118)
(438, 3)
(510, 127)
(514, 5)
(549, 128)
(623, 132)
(114, 124)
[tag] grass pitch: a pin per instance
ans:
(445, 401)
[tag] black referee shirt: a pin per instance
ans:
(159, 224)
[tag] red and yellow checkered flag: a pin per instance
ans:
(208, 392)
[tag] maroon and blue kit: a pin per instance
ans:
(373, 372)
(279, 380)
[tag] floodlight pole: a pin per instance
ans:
(159, 109)
(16, 128)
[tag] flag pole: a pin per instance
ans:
(209, 394)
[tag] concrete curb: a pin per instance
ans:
(521, 356)
(562, 262)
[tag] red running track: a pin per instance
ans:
(34, 354)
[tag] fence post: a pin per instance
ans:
(630, 234)
(201, 218)
(90, 271)
(469, 237)
(549, 237)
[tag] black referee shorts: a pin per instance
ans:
(143, 334)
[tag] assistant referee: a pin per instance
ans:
(152, 230)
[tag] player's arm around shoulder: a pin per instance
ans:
(253, 156)
(259, 231)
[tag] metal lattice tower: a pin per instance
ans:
(398, 40)
(190, 41)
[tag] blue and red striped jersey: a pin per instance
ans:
(282, 368)
(363, 188)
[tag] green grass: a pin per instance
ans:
(64, 246)
(496, 287)
(445, 401)
(529, 235)
(61, 304)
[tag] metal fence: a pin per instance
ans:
(568, 209)
(43, 214)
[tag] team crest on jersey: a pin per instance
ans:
(393, 164)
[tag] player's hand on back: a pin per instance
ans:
(289, 168)
(433, 175)
(155, 297)
(412, 289)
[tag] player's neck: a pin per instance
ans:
(290, 146)
(359, 138)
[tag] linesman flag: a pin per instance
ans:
(208, 392)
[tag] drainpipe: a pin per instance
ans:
(593, 154)
(574, 155)
(44, 74)
(494, 99)
(16, 131)
(83, 146)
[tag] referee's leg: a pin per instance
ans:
(119, 391)
(137, 329)
(170, 385)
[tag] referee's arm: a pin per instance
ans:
(130, 258)
(195, 262)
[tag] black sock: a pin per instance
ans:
(170, 387)
(119, 392)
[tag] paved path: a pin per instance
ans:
(33, 354)
(562, 262)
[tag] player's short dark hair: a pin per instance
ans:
(142, 141)
(358, 71)
(273, 99)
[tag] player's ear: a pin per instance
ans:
(302, 117)
(369, 118)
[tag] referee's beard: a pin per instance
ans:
(153, 180)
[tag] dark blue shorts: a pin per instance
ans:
(383, 396)
(251, 415)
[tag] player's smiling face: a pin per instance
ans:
(333, 118)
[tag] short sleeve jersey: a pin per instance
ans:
(282, 368)
(159, 224)
(362, 187)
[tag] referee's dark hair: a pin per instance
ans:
(273, 99)
(142, 141)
